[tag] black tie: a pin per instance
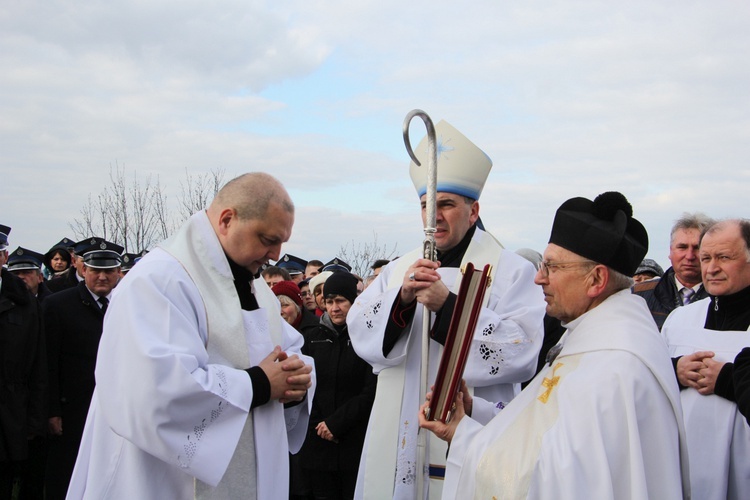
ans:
(104, 301)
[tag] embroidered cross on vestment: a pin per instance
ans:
(549, 384)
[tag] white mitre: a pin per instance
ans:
(462, 168)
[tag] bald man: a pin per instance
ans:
(197, 372)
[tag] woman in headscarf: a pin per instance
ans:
(57, 260)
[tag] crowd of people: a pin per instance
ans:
(199, 370)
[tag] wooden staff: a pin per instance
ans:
(429, 251)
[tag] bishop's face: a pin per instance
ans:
(453, 218)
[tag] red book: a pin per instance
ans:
(458, 341)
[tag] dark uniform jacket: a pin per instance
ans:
(662, 296)
(42, 292)
(343, 399)
(23, 375)
(73, 323)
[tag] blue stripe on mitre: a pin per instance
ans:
(455, 188)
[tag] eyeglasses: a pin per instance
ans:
(305, 294)
(545, 267)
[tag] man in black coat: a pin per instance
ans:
(73, 322)
(23, 377)
(27, 265)
(681, 283)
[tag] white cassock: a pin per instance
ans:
(603, 422)
(166, 417)
(717, 434)
(503, 354)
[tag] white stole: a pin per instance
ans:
(197, 248)
(380, 461)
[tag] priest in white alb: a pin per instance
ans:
(201, 391)
(603, 418)
(385, 323)
(705, 337)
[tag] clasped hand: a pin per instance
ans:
(289, 376)
(699, 370)
(423, 283)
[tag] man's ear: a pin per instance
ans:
(474, 212)
(226, 218)
(597, 280)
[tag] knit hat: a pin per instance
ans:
(341, 283)
(602, 230)
(462, 168)
(319, 279)
(290, 289)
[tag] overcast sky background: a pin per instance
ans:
(568, 99)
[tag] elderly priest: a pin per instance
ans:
(603, 419)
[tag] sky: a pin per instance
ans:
(570, 98)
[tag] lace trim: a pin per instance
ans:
(193, 439)
(496, 350)
(370, 313)
(405, 468)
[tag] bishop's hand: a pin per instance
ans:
(423, 283)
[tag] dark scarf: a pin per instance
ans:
(242, 280)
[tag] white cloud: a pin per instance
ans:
(568, 98)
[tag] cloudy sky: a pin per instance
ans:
(568, 98)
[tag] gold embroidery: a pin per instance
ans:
(403, 439)
(549, 384)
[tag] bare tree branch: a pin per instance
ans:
(361, 255)
(132, 214)
(198, 191)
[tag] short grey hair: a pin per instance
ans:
(697, 220)
(742, 224)
(618, 280)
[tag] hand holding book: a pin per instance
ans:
(458, 342)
